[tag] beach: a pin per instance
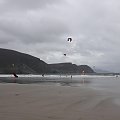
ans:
(55, 102)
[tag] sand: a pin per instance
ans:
(50, 102)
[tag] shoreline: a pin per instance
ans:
(50, 102)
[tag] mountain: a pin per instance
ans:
(13, 61)
(70, 68)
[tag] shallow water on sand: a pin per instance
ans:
(108, 83)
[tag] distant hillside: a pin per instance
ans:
(13, 61)
(70, 68)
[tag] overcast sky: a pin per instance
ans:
(41, 28)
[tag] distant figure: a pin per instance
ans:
(69, 39)
(83, 72)
(116, 75)
(71, 76)
(15, 75)
(43, 75)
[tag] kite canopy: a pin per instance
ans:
(69, 39)
(64, 54)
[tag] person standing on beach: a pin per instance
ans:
(15, 75)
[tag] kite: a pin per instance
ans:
(69, 39)
(64, 54)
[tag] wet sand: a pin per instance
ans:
(50, 102)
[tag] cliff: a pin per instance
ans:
(70, 68)
(13, 61)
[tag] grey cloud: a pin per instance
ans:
(16, 5)
(34, 28)
(41, 28)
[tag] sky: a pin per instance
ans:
(41, 28)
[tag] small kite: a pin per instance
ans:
(69, 39)
(64, 54)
